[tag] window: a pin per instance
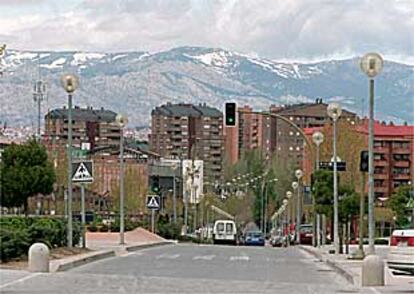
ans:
(400, 145)
(229, 228)
(401, 157)
(379, 156)
(379, 170)
(379, 144)
(220, 227)
(401, 171)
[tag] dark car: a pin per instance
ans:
(306, 234)
(254, 238)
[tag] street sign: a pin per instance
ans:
(80, 153)
(340, 165)
(82, 171)
(153, 202)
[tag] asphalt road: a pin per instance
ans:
(191, 269)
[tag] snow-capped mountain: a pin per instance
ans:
(135, 82)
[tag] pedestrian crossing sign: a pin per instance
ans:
(153, 202)
(82, 172)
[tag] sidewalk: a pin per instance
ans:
(351, 269)
(104, 245)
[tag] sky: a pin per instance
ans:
(276, 29)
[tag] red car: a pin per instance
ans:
(306, 234)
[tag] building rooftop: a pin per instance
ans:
(381, 129)
(309, 109)
(83, 114)
(189, 110)
(388, 130)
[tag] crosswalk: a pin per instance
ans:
(208, 257)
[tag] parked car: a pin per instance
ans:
(306, 234)
(254, 238)
(401, 254)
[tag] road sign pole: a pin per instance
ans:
(152, 220)
(83, 220)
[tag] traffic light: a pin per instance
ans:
(364, 161)
(230, 114)
(155, 184)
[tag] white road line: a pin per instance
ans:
(244, 258)
(204, 257)
(19, 280)
(168, 256)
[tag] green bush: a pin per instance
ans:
(17, 234)
(169, 230)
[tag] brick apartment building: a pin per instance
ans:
(274, 136)
(393, 156)
(94, 126)
(98, 128)
(186, 131)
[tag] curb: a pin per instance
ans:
(133, 248)
(337, 268)
(95, 256)
(84, 260)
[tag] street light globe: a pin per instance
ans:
(285, 202)
(69, 82)
(295, 185)
(289, 194)
(334, 110)
(317, 138)
(121, 120)
(371, 64)
(298, 173)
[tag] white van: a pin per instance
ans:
(224, 231)
(401, 254)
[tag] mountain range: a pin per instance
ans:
(135, 82)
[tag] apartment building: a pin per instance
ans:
(393, 156)
(95, 127)
(274, 136)
(187, 131)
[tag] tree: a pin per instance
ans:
(398, 203)
(322, 191)
(25, 171)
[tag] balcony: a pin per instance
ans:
(402, 163)
(381, 176)
(381, 149)
(382, 162)
(401, 176)
(401, 150)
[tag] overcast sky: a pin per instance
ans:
(277, 29)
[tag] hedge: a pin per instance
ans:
(17, 234)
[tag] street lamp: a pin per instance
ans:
(334, 112)
(122, 121)
(298, 174)
(371, 64)
(317, 138)
(70, 83)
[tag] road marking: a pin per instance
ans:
(168, 256)
(204, 257)
(19, 280)
(244, 258)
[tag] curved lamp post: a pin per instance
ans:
(70, 83)
(334, 112)
(371, 64)
(122, 121)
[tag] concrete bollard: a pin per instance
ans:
(372, 271)
(39, 258)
